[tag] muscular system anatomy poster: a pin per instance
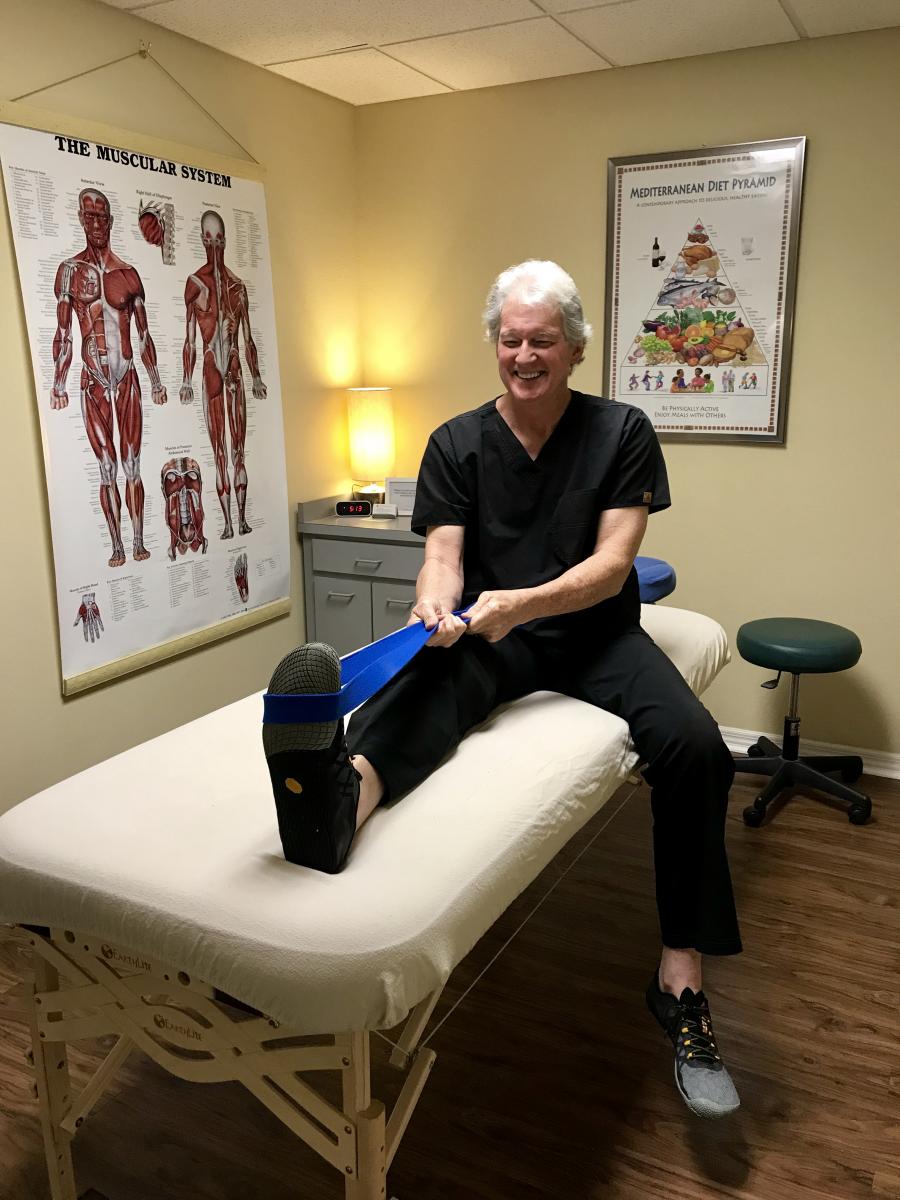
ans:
(148, 301)
(701, 262)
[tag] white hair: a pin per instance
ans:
(538, 282)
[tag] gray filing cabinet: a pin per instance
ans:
(359, 574)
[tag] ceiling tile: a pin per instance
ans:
(639, 31)
(277, 31)
(132, 5)
(536, 49)
(361, 77)
(822, 17)
(561, 6)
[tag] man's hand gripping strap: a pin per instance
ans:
(362, 674)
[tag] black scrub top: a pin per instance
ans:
(527, 521)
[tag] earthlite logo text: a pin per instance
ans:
(128, 960)
(163, 1022)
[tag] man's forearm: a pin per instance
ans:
(597, 578)
(438, 580)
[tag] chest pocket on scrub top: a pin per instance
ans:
(573, 528)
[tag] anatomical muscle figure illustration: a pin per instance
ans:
(216, 300)
(182, 489)
(106, 294)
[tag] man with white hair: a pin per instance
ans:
(533, 508)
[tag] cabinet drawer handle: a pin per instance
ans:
(341, 595)
(367, 562)
(401, 603)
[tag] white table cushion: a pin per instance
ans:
(171, 849)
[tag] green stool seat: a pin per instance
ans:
(797, 645)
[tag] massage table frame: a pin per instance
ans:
(88, 987)
(181, 1023)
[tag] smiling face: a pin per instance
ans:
(533, 356)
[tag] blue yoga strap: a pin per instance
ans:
(365, 671)
(362, 673)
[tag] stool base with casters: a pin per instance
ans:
(806, 646)
(765, 758)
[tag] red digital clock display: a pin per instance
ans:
(354, 508)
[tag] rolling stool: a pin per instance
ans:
(656, 578)
(798, 646)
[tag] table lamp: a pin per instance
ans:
(371, 424)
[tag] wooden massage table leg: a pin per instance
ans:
(368, 1117)
(371, 1167)
(51, 1072)
(413, 1030)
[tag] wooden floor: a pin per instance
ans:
(551, 1079)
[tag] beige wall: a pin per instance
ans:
(454, 188)
(306, 143)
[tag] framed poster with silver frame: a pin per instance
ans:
(701, 267)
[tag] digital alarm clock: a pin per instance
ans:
(353, 508)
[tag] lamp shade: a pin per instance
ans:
(371, 423)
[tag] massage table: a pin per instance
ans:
(159, 908)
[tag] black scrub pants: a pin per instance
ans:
(408, 727)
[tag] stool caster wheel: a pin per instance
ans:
(753, 816)
(859, 813)
(755, 751)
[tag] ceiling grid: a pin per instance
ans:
(369, 51)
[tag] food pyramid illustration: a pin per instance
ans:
(696, 320)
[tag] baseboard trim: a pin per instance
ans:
(875, 762)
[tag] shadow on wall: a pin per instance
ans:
(822, 699)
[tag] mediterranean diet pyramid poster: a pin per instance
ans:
(148, 300)
(702, 252)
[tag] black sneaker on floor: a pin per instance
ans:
(700, 1074)
(315, 786)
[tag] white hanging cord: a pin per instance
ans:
(540, 902)
(384, 1037)
(79, 75)
(513, 935)
(143, 52)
